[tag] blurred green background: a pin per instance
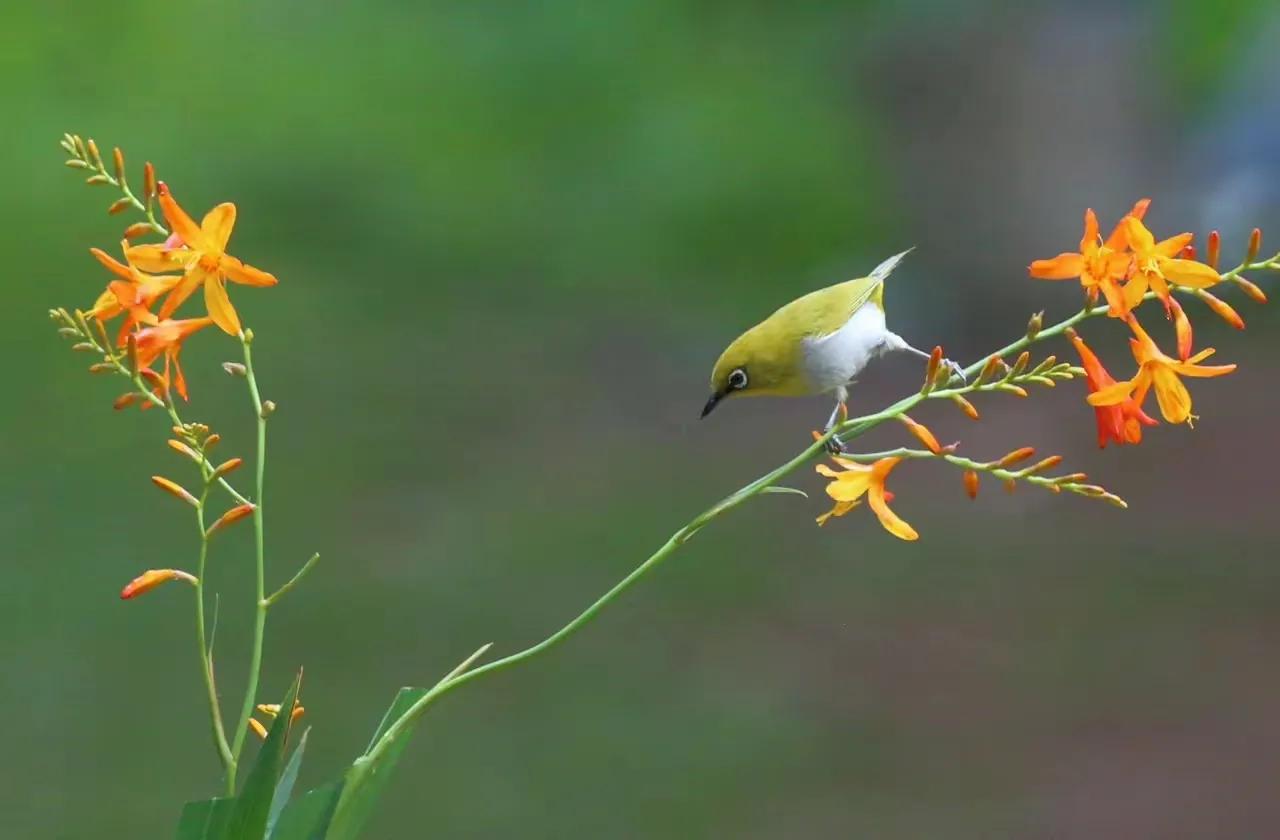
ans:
(512, 238)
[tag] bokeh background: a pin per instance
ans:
(512, 239)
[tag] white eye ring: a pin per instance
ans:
(738, 379)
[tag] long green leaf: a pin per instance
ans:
(307, 817)
(248, 820)
(365, 778)
(205, 820)
(284, 789)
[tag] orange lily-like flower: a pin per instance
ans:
(857, 480)
(1156, 370)
(1156, 265)
(133, 292)
(1099, 265)
(165, 338)
(1121, 422)
(203, 255)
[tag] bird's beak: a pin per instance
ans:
(713, 402)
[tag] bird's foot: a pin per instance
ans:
(834, 445)
(957, 372)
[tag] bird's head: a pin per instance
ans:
(756, 363)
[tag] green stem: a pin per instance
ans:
(206, 656)
(260, 601)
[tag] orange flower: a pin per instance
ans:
(152, 578)
(1099, 265)
(1157, 370)
(133, 292)
(857, 480)
(204, 257)
(166, 338)
(1156, 265)
(1123, 422)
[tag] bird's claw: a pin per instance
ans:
(957, 372)
(834, 446)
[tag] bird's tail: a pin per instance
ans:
(880, 272)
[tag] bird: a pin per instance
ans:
(816, 344)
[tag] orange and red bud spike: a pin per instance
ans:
(971, 483)
(1213, 249)
(1188, 252)
(1020, 364)
(117, 158)
(1255, 245)
(234, 515)
(1016, 456)
(124, 401)
(137, 229)
(119, 206)
(1251, 290)
(1182, 327)
(931, 367)
(152, 578)
(148, 180)
(175, 489)
(922, 434)
(989, 370)
(1222, 309)
(965, 406)
(1010, 485)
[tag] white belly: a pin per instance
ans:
(834, 360)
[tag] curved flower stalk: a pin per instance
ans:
(1125, 270)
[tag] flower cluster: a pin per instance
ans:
(1126, 269)
(191, 256)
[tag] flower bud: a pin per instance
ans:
(210, 441)
(1182, 327)
(84, 346)
(922, 434)
(227, 467)
(92, 148)
(232, 516)
(152, 578)
(1222, 309)
(124, 401)
(931, 367)
(1251, 290)
(1213, 249)
(268, 408)
(137, 229)
(965, 406)
(101, 367)
(248, 336)
(182, 449)
(96, 180)
(174, 489)
(1255, 245)
(971, 483)
(1010, 485)
(1046, 464)
(148, 180)
(76, 163)
(1188, 252)
(117, 158)
(1016, 456)
(234, 368)
(258, 729)
(1035, 325)
(1020, 364)
(989, 369)
(119, 206)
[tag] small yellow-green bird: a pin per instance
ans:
(816, 344)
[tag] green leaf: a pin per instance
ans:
(205, 820)
(778, 488)
(284, 789)
(248, 820)
(308, 816)
(366, 778)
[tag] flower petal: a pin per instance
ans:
(219, 306)
(1173, 246)
(238, 272)
(182, 224)
(1137, 235)
(182, 291)
(1195, 275)
(1065, 266)
(849, 486)
(1090, 238)
(118, 269)
(217, 225)
(890, 520)
(1117, 239)
(1171, 394)
(1112, 394)
(158, 258)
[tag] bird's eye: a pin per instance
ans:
(738, 379)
